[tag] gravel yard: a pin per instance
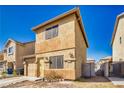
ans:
(96, 82)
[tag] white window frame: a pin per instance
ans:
(10, 52)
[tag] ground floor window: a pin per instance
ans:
(56, 62)
(1, 64)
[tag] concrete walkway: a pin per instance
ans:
(13, 80)
(116, 80)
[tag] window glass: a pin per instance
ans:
(56, 62)
(60, 62)
(51, 32)
(10, 50)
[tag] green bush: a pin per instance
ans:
(14, 73)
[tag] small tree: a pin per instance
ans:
(14, 73)
(4, 74)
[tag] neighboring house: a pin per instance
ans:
(1, 55)
(104, 66)
(90, 60)
(89, 68)
(118, 39)
(13, 54)
(61, 46)
(1, 62)
(118, 46)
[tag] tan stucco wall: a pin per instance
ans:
(30, 67)
(74, 50)
(69, 63)
(19, 55)
(23, 50)
(20, 50)
(65, 38)
(12, 57)
(118, 49)
(1, 56)
(29, 48)
(80, 50)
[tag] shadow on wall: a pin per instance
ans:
(114, 69)
(118, 68)
(99, 72)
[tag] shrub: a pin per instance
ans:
(53, 76)
(14, 73)
(4, 74)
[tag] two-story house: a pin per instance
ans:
(118, 46)
(13, 54)
(61, 46)
(1, 61)
(118, 39)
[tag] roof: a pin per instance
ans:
(73, 11)
(2, 61)
(90, 59)
(17, 42)
(29, 56)
(11, 40)
(116, 25)
(107, 58)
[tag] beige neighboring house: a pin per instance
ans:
(118, 39)
(61, 46)
(90, 60)
(1, 61)
(1, 55)
(117, 44)
(13, 53)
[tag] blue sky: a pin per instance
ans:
(16, 23)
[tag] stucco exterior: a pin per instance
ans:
(15, 60)
(80, 50)
(117, 45)
(65, 30)
(71, 42)
(1, 56)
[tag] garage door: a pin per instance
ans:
(32, 69)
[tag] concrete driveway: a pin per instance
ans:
(13, 80)
(7, 81)
(116, 80)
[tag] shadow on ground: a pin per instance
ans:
(94, 79)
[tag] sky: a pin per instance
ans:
(16, 23)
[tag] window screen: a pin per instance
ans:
(56, 62)
(51, 32)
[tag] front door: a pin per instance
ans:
(10, 67)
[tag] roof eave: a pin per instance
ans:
(82, 27)
(76, 11)
(54, 19)
(115, 27)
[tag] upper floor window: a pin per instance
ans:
(120, 40)
(10, 50)
(56, 62)
(51, 32)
